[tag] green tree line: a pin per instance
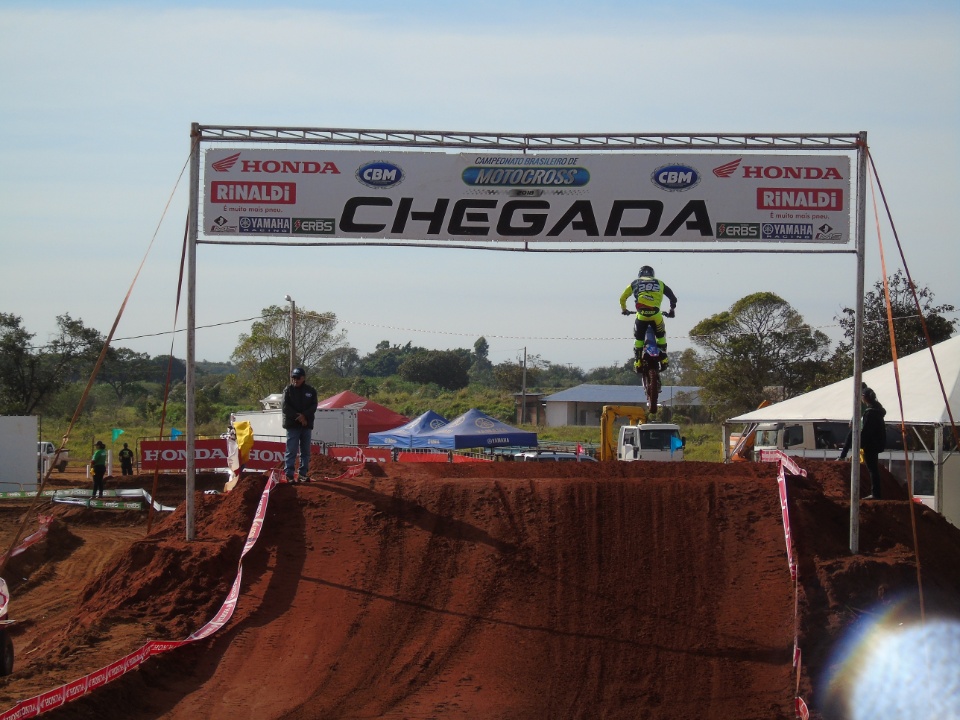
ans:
(759, 348)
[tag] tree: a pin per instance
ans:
(263, 355)
(685, 368)
(158, 369)
(125, 370)
(29, 376)
(446, 368)
(554, 375)
(481, 352)
(907, 327)
(510, 375)
(614, 375)
(386, 359)
(340, 362)
(481, 369)
(760, 341)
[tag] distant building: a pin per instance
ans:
(583, 405)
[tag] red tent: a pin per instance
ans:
(371, 417)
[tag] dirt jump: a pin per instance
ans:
(501, 590)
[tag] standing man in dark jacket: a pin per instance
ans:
(299, 408)
(873, 437)
(126, 460)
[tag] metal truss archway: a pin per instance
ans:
(640, 143)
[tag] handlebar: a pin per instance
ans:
(669, 313)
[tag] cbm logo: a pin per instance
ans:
(380, 175)
(675, 178)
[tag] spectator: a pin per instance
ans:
(299, 408)
(98, 464)
(873, 437)
(126, 460)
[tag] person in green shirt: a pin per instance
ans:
(98, 464)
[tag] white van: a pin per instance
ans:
(813, 439)
(650, 441)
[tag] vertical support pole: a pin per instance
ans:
(191, 379)
(938, 461)
(858, 347)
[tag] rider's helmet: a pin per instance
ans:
(646, 271)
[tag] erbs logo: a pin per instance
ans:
(380, 175)
(675, 178)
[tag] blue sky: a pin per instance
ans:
(97, 101)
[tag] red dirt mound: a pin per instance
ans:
(496, 590)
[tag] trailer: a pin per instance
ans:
(331, 426)
(18, 440)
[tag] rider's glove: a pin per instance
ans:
(670, 313)
(624, 311)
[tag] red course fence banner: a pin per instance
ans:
(359, 455)
(171, 455)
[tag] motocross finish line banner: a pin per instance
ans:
(316, 194)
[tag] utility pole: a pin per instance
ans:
(293, 332)
(523, 389)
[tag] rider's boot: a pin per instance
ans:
(663, 359)
(636, 360)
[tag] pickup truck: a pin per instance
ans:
(46, 452)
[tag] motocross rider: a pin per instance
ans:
(648, 293)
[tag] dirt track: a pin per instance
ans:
(503, 590)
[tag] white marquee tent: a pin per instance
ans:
(923, 405)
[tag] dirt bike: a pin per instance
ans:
(650, 365)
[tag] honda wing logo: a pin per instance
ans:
(228, 162)
(725, 171)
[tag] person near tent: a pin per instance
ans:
(648, 293)
(98, 465)
(126, 460)
(299, 407)
(873, 437)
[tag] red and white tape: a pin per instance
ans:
(785, 465)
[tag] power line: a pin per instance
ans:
(452, 333)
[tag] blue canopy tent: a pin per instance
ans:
(474, 428)
(403, 436)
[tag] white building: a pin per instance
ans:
(583, 404)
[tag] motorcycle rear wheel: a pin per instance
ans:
(651, 383)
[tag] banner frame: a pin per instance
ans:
(524, 142)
